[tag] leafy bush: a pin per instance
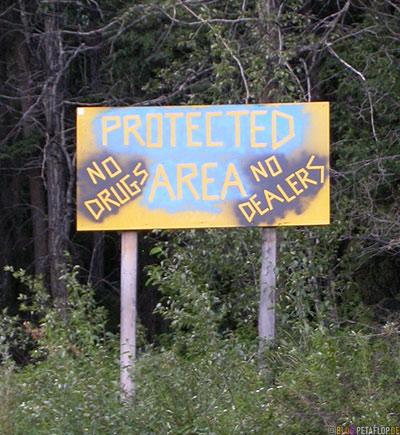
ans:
(342, 378)
(221, 391)
(72, 365)
(317, 376)
(209, 280)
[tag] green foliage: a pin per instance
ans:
(76, 328)
(21, 149)
(66, 395)
(217, 392)
(364, 155)
(223, 389)
(316, 384)
(209, 281)
(225, 53)
(11, 332)
(314, 283)
(72, 366)
(338, 378)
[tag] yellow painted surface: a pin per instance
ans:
(202, 166)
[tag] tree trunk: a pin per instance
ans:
(25, 65)
(96, 270)
(55, 153)
(39, 229)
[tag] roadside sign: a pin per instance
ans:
(202, 166)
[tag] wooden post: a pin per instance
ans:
(266, 314)
(129, 249)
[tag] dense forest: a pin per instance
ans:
(335, 360)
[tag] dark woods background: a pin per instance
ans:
(57, 55)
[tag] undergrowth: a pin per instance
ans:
(70, 384)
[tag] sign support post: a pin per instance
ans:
(129, 250)
(266, 314)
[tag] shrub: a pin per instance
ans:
(317, 376)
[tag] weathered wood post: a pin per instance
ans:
(129, 249)
(266, 314)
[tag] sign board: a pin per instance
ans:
(202, 166)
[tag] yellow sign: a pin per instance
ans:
(202, 166)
